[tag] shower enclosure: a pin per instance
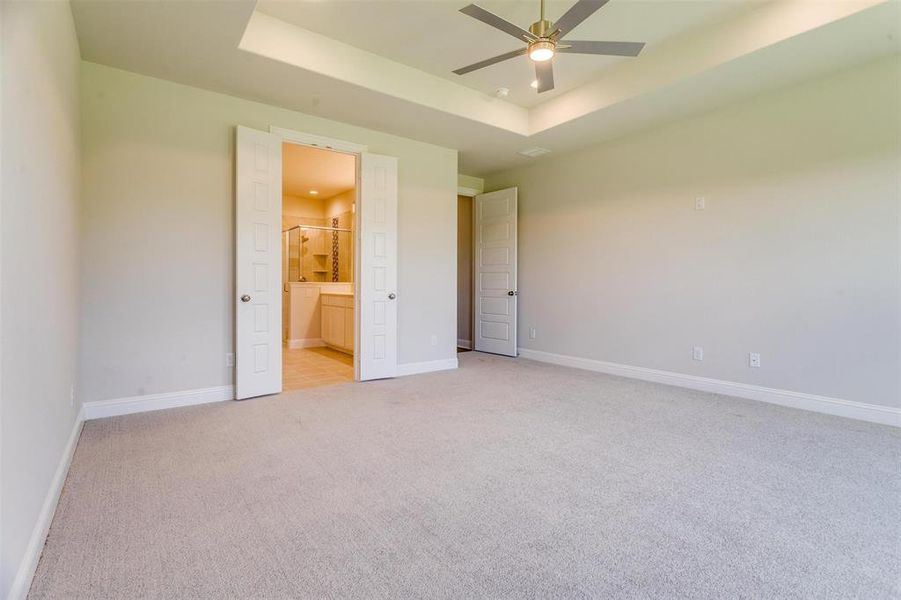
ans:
(317, 253)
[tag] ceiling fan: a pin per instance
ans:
(543, 40)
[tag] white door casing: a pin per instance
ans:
(494, 272)
(258, 258)
(376, 343)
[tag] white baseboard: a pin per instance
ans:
(136, 404)
(427, 366)
(873, 413)
(464, 344)
(25, 573)
(305, 343)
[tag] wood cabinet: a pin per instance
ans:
(338, 321)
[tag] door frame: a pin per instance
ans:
(312, 140)
(471, 193)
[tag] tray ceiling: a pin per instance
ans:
(435, 37)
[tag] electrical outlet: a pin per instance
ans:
(229, 360)
(700, 203)
(697, 353)
(754, 360)
(434, 340)
(532, 333)
(72, 395)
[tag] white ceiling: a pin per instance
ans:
(701, 55)
(305, 169)
(435, 37)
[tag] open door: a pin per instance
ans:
(494, 273)
(377, 268)
(258, 263)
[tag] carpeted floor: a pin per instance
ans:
(503, 479)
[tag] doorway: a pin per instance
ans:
(464, 273)
(319, 199)
(260, 277)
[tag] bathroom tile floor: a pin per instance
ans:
(313, 367)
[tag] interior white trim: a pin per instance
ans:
(427, 366)
(464, 344)
(22, 582)
(305, 343)
(467, 191)
(136, 404)
(873, 413)
(317, 141)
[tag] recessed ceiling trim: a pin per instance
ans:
(692, 53)
(277, 40)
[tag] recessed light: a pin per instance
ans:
(313, 192)
(534, 84)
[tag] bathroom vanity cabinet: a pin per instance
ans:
(338, 320)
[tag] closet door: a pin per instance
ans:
(494, 272)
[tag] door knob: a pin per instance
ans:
(245, 298)
(511, 293)
(392, 296)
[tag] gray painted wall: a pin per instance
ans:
(158, 267)
(39, 221)
(795, 257)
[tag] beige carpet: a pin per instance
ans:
(504, 479)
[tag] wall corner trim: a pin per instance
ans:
(428, 366)
(25, 573)
(136, 404)
(873, 413)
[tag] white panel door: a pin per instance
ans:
(494, 273)
(258, 263)
(376, 347)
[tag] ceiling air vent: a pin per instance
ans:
(534, 152)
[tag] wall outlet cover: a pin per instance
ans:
(697, 353)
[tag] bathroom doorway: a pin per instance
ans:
(319, 198)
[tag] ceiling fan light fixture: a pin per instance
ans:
(541, 50)
(542, 40)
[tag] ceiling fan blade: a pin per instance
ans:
(577, 13)
(606, 48)
(491, 61)
(477, 12)
(544, 73)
